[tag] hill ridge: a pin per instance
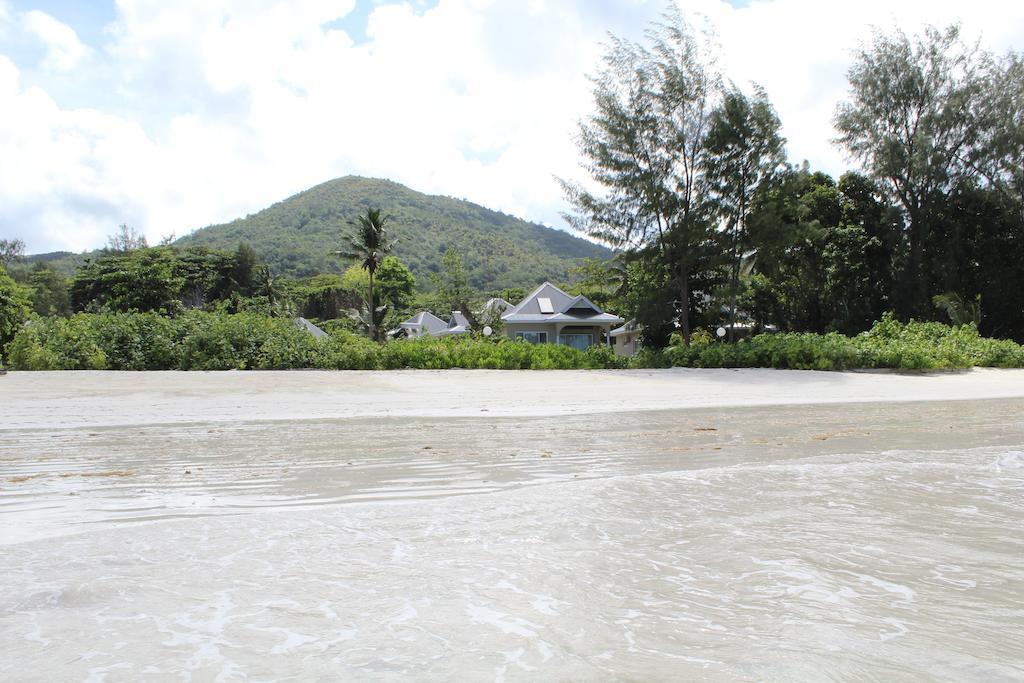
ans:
(297, 234)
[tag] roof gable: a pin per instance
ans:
(531, 304)
(458, 319)
(582, 305)
(427, 321)
(565, 309)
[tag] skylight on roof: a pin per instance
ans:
(545, 305)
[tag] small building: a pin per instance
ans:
(304, 324)
(626, 339)
(550, 316)
(422, 324)
(492, 311)
(457, 324)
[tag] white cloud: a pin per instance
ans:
(216, 109)
(64, 51)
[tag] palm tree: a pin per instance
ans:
(266, 283)
(369, 244)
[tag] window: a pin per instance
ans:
(545, 305)
(533, 337)
(576, 341)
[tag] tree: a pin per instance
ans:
(208, 275)
(746, 151)
(826, 252)
(916, 120)
(11, 251)
(1002, 164)
(369, 244)
(244, 268)
(452, 283)
(270, 286)
(645, 146)
(602, 282)
(14, 308)
(394, 284)
(50, 295)
(126, 240)
(142, 280)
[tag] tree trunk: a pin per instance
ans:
(372, 323)
(684, 295)
(734, 284)
(913, 279)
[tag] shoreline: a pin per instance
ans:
(76, 399)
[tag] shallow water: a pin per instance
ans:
(879, 542)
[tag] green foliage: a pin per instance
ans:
(394, 284)
(926, 116)
(645, 146)
(298, 236)
(451, 285)
(126, 240)
(11, 251)
(649, 300)
(824, 253)
(14, 309)
(603, 282)
(960, 312)
(199, 340)
(327, 297)
(746, 151)
(889, 344)
(244, 269)
(50, 291)
(368, 245)
(141, 280)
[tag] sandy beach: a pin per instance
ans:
(486, 525)
(70, 399)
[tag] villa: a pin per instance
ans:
(546, 316)
(423, 324)
(626, 339)
(549, 315)
(457, 324)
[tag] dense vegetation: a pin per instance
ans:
(714, 226)
(298, 235)
(248, 341)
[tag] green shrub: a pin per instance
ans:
(200, 340)
(889, 344)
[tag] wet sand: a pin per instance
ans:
(354, 525)
(45, 399)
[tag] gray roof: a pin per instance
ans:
(565, 308)
(426, 321)
(458, 324)
(495, 305)
(311, 328)
(630, 326)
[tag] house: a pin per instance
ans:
(626, 339)
(457, 324)
(492, 310)
(549, 315)
(304, 324)
(422, 324)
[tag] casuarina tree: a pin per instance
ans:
(645, 148)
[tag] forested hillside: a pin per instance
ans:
(296, 236)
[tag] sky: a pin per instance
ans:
(170, 116)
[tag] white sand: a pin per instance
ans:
(83, 399)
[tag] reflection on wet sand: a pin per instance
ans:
(867, 541)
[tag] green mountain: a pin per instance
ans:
(296, 236)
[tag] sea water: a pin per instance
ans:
(800, 543)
